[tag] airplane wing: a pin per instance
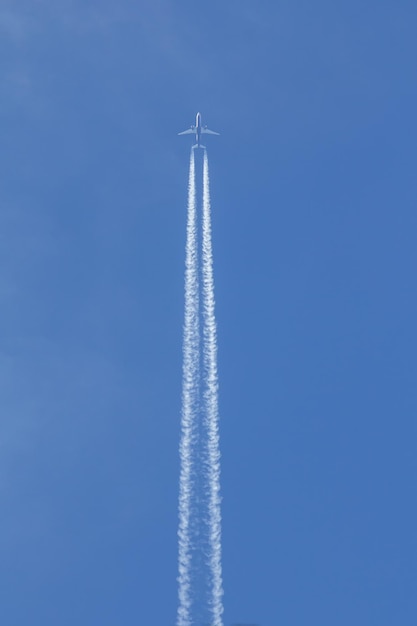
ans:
(190, 131)
(209, 132)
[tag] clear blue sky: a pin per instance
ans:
(314, 200)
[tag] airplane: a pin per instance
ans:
(198, 130)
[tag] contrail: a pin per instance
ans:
(200, 587)
(210, 397)
(190, 400)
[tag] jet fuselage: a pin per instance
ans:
(198, 130)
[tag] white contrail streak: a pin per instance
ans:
(211, 407)
(190, 399)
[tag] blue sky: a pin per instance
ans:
(314, 224)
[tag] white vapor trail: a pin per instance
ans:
(190, 399)
(200, 586)
(211, 407)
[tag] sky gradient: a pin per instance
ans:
(313, 190)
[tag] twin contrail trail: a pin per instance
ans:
(199, 532)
